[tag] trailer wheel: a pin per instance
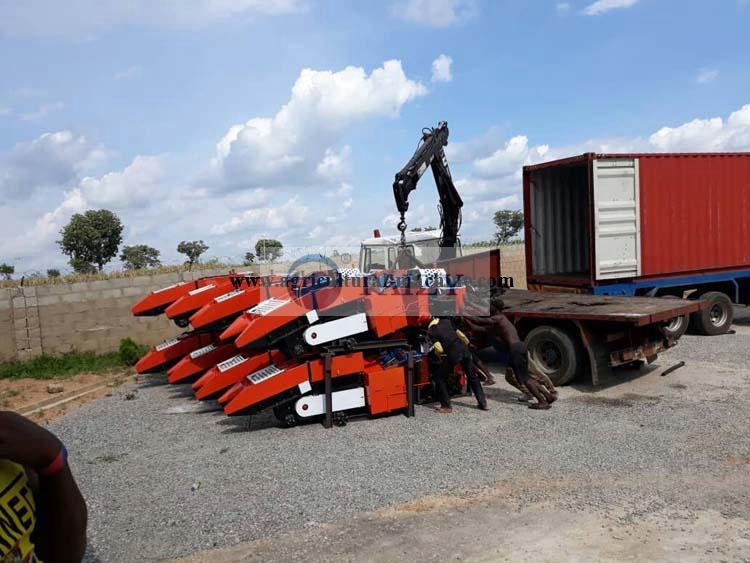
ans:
(676, 327)
(716, 318)
(553, 352)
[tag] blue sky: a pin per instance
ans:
(132, 106)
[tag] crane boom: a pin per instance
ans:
(430, 153)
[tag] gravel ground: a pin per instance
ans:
(136, 460)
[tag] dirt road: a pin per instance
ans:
(644, 468)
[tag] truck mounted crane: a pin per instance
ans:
(430, 152)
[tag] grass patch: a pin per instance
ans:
(60, 367)
(74, 363)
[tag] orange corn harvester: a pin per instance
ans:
(306, 353)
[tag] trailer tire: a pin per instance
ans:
(717, 318)
(553, 352)
(676, 327)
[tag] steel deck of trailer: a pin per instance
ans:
(638, 311)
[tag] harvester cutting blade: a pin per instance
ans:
(279, 382)
(157, 301)
(225, 306)
(268, 383)
(280, 317)
(165, 354)
(235, 329)
(200, 360)
(221, 377)
(273, 314)
(197, 298)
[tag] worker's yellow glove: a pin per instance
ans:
(462, 337)
(437, 347)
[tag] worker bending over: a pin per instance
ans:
(451, 347)
(502, 332)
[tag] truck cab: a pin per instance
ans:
(381, 252)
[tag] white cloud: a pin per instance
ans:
(495, 178)
(601, 6)
(502, 203)
(345, 189)
(291, 213)
(49, 224)
(562, 7)
(435, 13)
(316, 232)
(134, 186)
(82, 18)
(257, 197)
(506, 160)
(297, 145)
(712, 134)
(127, 73)
(335, 165)
(52, 160)
(441, 69)
(706, 75)
(43, 111)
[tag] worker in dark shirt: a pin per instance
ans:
(502, 333)
(450, 348)
(42, 513)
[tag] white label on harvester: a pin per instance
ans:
(346, 326)
(263, 374)
(202, 351)
(201, 289)
(169, 287)
(268, 306)
(234, 293)
(231, 362)
(167, 344)
(313, 405)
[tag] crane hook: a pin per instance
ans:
(402, 227)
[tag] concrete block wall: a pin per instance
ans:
(95, 315)
(83, 316)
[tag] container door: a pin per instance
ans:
(617, 222)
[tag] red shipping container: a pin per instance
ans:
(596, 219)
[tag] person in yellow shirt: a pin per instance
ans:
(42, 512)
(450, 348)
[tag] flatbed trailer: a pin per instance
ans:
(569, 334)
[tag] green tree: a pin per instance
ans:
(91, 239)
(249, 259)
(508, 224)
(139, 256)
(192, 250)
(269, 249)
(53, 273)
(6, 270)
